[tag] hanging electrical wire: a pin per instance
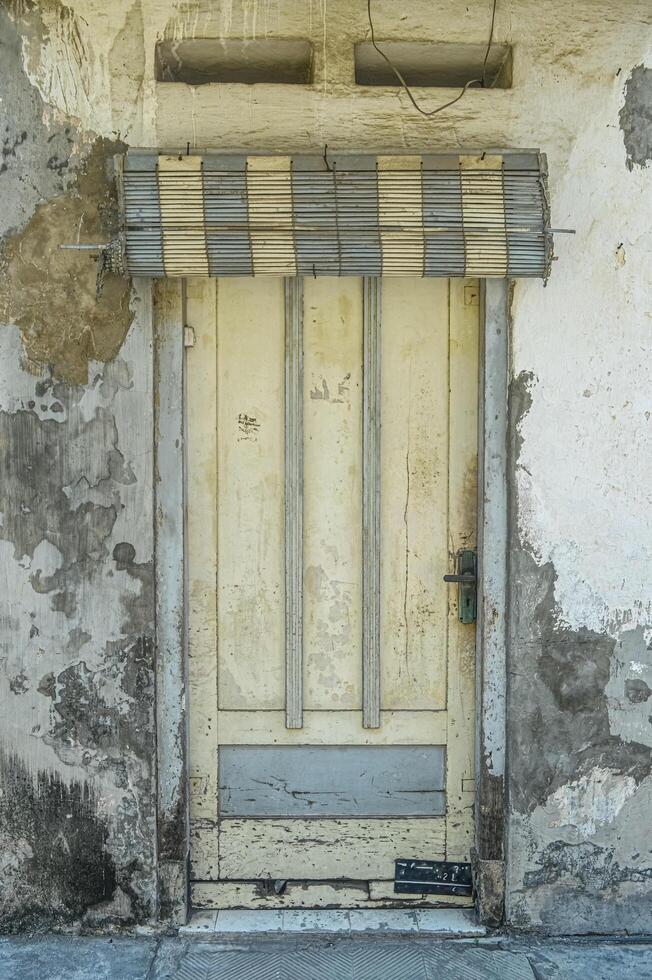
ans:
(491, 38)
(474, 81)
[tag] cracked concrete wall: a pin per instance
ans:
(77, 613)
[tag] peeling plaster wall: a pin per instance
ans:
(77, 696)
(77, 773)
(76, 607)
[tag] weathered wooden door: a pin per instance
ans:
(332, 431)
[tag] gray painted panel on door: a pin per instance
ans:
(332, 780)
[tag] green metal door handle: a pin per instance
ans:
(466, 579)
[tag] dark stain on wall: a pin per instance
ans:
(83, 717)
(582, 887)
(558, 678)
(636, 117)
(66, 867)
(41, 457)
(62, 487)
(637, 691)
(592, 868)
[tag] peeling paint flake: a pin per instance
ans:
(636, 117)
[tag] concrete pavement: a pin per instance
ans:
(326, 958)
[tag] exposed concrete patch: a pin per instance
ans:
(558, 679)
(636, 117)
(50, 293)
(629, 690)
(579, 879)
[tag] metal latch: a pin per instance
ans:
(465, 576)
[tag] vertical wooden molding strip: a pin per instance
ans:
(294, 502)
(271, 223)
(400, 215)
(483, 215)
(181, 201)
(371, 506)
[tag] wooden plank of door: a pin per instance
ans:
(332, 780)
(311, 895)
(320, 849)
(463, 496)
(268, 728)
(261, 895)
(332, 522)
(414, 492)
(250, 505)
(383, 891)
(201, 530)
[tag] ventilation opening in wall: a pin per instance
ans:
(198, 61)
(433, 65)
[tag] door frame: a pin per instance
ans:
(173, 825)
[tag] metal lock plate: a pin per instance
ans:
(466, 578)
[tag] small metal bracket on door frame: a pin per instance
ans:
(466, 578)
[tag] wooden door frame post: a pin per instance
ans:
(491, 638)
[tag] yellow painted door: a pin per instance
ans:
(332, 441)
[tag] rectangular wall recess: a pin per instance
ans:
(198, 61)
(433, 64)
(332, 780)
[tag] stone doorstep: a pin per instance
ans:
(237, 923)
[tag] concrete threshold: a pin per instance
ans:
(238, 924)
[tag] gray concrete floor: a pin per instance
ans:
(90, 958)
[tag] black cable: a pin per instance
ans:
(491, 37)
(446, 105)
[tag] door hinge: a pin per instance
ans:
(188, 336)
(466, 578)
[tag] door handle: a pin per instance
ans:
(466, 579)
